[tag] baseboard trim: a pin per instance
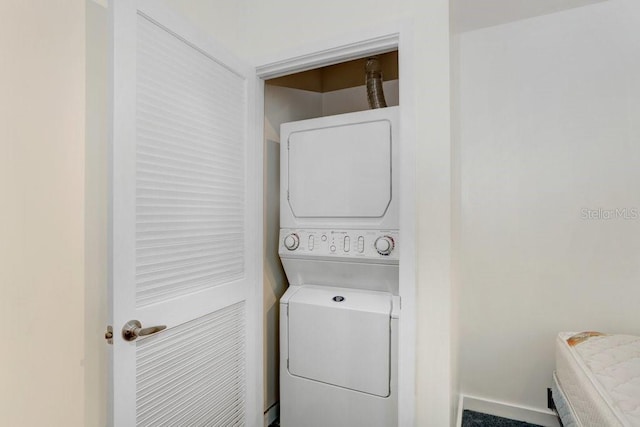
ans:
(460, 410)
(271, 414)
(542, 417)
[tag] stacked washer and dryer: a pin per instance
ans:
(339, 248)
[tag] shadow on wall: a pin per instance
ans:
(275, 282)
(469, 15)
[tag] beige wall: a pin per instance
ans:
(96, 217)
(42, 114)
(548, 127)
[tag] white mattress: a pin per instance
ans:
(600, 378)
(562, 406)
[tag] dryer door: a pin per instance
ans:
(341, 337)
(341, 171)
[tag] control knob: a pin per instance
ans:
(292, 241)
(384, 245)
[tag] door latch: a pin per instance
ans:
(109, 334)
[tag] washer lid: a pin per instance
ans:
(342, 337)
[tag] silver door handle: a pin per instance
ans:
(133, 329)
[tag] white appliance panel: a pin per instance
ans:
(312, 403)
(340, 171)
(331, 244)
(341, 336)
(341, 257)
(356, 275)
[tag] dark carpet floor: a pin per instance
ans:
(476, 419)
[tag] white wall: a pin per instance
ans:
(549, 111)
(455, 220)
(42, 107)
(220, 18)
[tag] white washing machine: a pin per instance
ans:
(339, 246)
(338, 364)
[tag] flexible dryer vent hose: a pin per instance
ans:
(375, 94)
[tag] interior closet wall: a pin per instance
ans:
(548, 129)
(281, 105)
(355, 98)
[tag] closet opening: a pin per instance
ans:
(325, 91)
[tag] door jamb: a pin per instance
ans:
(398, 35)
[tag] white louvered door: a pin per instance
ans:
(184, 222)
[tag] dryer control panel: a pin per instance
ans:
(365, 245)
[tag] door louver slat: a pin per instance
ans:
(189, 153)
(193, 374)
